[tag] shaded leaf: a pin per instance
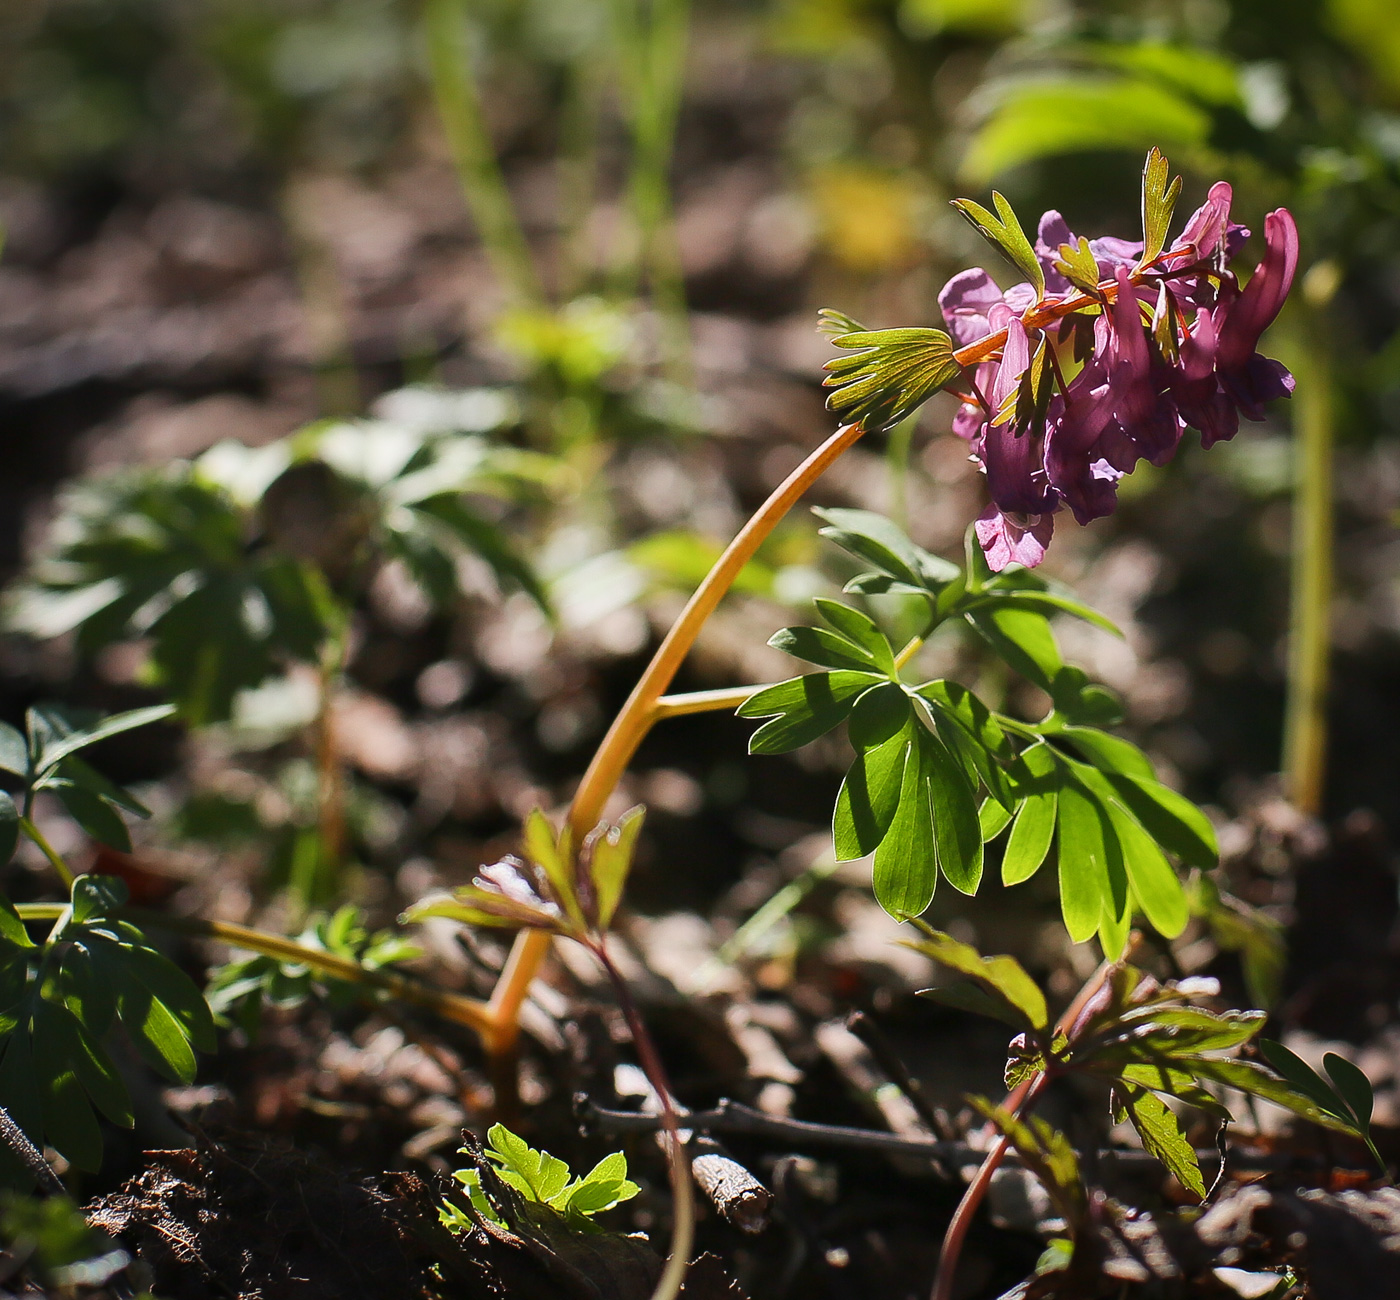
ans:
(1160, 1131)
(1004, 977)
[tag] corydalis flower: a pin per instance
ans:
(1103, 356)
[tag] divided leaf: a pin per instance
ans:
(1158, 203)
(878, 541)
(1160, 1130)
(891, 374)
(1003, 231)
(803, 708)
(1079, 266)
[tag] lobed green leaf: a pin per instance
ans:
(1003, 231)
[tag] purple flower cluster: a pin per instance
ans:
(1081, 392)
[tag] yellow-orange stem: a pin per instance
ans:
(639, 712)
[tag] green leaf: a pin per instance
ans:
(73, 772)
(891, 374)
(860, 629)
(818, 646)
(1172, 820)
(610, 861)
(1029, 844)
(993, 818)
(536, 1174)
(964, 708)
(1050, 602)
(9, 832)
(1111, 753)
(1084, 860)
(1003, 231)
(1253, 1078)
(604, 1186)
(1302, 1077)
(956, 828)
(90, 1063)
(1047, 1153)
(1004, 977)
(14, 751)
(1161, 1135)
(12, 929)
(69, 1124)
(1023, 638)
(880, 542)
(1158, 203)
(97, 817)
(67, 740)
(1079, 266)
(555, 857)
(97, 896)
(906, 861)
(1044, 117)
(19, 1082)
(881, 729)
(488, 541)
(802, 708)
(1155, 885)
(1354, 1088)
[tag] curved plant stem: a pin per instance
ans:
(682, 1193)
(972, 1198)
(639, 712)
(1020, 1099)
(450, 1006)
(633, 722)
(48, 850)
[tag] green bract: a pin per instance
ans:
(937, 773)
(891, 374)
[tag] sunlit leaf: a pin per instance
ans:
(1003, 231)
(890, 375)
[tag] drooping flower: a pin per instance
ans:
(1111, 364)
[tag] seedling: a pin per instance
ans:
(543, 1179)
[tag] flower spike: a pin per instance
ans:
(1155, 337)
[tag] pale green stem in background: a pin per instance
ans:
(901, 441)
(652, 38)
(578, 172)
(1305, 721)
(473, 153)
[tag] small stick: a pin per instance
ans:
(734, 1117)
(733, 1190)
(30, 1156)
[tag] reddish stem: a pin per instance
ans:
(1021, 1098)
(971, 1202)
